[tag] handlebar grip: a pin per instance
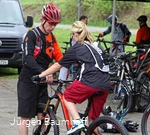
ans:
(66, 42)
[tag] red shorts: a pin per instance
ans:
(78, 92)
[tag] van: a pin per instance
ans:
(13, 28)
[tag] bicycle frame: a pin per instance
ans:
(59, 96)
(140, 62)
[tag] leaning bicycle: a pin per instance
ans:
(145, 122)
(129, 86)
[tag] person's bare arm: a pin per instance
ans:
(54, 68)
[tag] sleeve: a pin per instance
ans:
(107, 31)
(138, 37)
(127, 31)
(63, 73)
(57, 51)
(69, 58)
(28, 47)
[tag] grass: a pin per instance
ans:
(61, 35)
(64, 35)
(9, 72)
(33, 2)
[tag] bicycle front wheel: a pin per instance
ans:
(50, 126)
(143, 90)
(145, 123)
(106, 125)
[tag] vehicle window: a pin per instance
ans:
(10, 12)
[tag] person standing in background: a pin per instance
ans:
(143, 34)
(121, 33)
(84, 19)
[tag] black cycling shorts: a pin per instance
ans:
(28, 97)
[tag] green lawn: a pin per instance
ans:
(64, 35)
(32, 2)
(61, 35)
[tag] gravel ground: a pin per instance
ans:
(8, 109)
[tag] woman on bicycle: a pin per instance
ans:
(93, 77)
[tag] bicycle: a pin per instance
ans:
(132, 82)
(145, 122)
(115, 44)
(51, 110)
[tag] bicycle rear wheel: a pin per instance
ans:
(119, 103)
(106, 125)
(145, 123)
(51, 125)
(143, 90)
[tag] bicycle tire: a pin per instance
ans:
(49, 122)
(143, 89)
(126, 102)
(121, 104)
(107, 120)
(145, 122)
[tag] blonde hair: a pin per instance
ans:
(81, 28)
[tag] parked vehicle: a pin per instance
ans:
(12, 29)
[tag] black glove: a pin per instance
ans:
(35, 79)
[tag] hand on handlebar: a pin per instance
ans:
(49, 79)
(100, 34)
(125, 39)
(35, 79)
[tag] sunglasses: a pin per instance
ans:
(72, 33)
(51, 23)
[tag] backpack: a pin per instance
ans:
(38, 45)
(123, 27)
(104, 64)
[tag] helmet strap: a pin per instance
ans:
(44, 27)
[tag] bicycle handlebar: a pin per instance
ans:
(35, 79)
(141, 45)
(100, 39)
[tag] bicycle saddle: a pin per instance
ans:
(140, 50)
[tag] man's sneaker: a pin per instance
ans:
(77, 126)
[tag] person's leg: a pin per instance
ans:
(72, 109)
(26, 105)
(23, 126)
(72, 95)
(97, 105)
(42, 98)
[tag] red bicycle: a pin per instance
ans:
(51, 126)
